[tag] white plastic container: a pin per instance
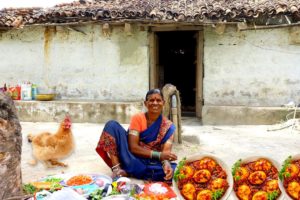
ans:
(26, 91)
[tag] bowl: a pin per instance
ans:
(78, 180)
(294, 157)
(45, 97)
(273, 162)
(220, 162)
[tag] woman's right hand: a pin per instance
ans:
(168, 156)
(168, 171)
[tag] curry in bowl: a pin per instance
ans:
(255, 179)
(200, 179)
(289, 176)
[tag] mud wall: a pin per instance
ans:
(79, 62)
(251, 68)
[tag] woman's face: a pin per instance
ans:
(154, 103)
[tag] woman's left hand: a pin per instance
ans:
(166, 155)
(168, 171)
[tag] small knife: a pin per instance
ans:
(104, 192)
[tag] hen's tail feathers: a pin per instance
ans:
(29, 137)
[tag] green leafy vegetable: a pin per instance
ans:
(53, 180)
(283, 174)
(55, 186)
(115, 190)
(132, 192)
(96, 195)
(217, 194)
(29, 188)
(177, 174)
(273, 195)
(54, 183)
(234, 169)
(237, 178)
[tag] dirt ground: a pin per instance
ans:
(228, 143)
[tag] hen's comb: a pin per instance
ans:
(67, 118)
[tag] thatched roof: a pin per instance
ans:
(155, 11)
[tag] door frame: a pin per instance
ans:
(153, 56)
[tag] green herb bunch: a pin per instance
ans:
(29, 188)
(273, 195)
(283, 174)
(177, 174)
(96, 195)
(217, 194)
(53, 180)
(115, 190)
(235, 168)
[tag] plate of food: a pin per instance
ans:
(77, 180)
(256, 178)
(157, 190)
(85, 184)
(202, 176)
(289, 177)
(51, 183)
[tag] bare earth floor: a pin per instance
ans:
(229, 143)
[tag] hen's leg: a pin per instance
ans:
(47, 164)
(32, 162)
(57, 163)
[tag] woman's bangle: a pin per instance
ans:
(115, 167)
(155, 155)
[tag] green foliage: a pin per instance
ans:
(54, 183)
(114, 189)
(217, 194)
(53, 180)
(29, 188)
(177, 174)
(273, 195)
(55, 186)
(96, 195)
(132, 192)
(234, 169)
(283, 174)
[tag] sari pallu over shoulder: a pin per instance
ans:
(157, 134)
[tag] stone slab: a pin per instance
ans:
(80, 111)
(243, 115)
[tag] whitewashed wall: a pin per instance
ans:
(253, 68)
(80, 64)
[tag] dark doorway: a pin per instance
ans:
(177, 65)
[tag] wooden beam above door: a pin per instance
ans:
(160, 28)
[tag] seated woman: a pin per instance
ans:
(144, 151)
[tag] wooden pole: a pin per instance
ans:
(175, 117)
